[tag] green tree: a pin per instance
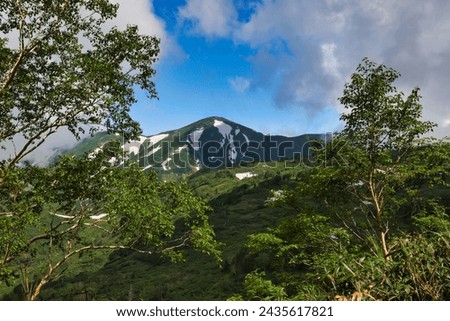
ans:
(69, 71)
(382, 129)
(258, 288)
(373, 212)
(61, 68)
(388, 186)
(89, 203)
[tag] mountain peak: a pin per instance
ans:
(213, 142)
(209, 121)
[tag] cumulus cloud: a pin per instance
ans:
(210, 18)
(141, 13)
(321, 43)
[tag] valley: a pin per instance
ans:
(238, 208)
(251, 193)
(209, 156)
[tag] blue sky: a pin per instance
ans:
(212, 76)
(279, 66)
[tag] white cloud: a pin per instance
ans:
(240, 84)
(210, 18)
(61, 140)
(329, 61)
(307, 50)
(141, 13)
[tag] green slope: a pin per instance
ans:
(238, 210)
(89, 144)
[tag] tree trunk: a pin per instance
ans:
(381, 226)
(384, 245)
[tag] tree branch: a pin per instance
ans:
(52, 268)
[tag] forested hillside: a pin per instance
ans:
(238, 208)
(362, 215)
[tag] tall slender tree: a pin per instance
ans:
(373, 210)
(383, 131)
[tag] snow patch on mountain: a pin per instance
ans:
(133, 150)
(241, 176)
(154, 150)
(147, 167)
(63, 216)
(142, 139)
(225, 131)
(99, 216)
(157, 138)
(92, 217)
(194, 138)
(246, 138)
(198, 164)
(223, 128)
(233, 152)
(165, 164)
(134, 146)
(180, 149)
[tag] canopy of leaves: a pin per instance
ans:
(60, 66)
(90, 203)
(373, 219)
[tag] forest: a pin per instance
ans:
(364, 217)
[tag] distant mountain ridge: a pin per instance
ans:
(213, 142)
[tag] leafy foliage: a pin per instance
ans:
(237, 210)
(382, 130)
(373, 217)
(62, 67)
(380, 120)
(91, 204)
(418, 270)
(257, 288)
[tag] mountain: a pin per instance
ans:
(213, 142)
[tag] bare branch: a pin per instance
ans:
(52, 268)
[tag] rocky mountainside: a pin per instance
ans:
(213, 142)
